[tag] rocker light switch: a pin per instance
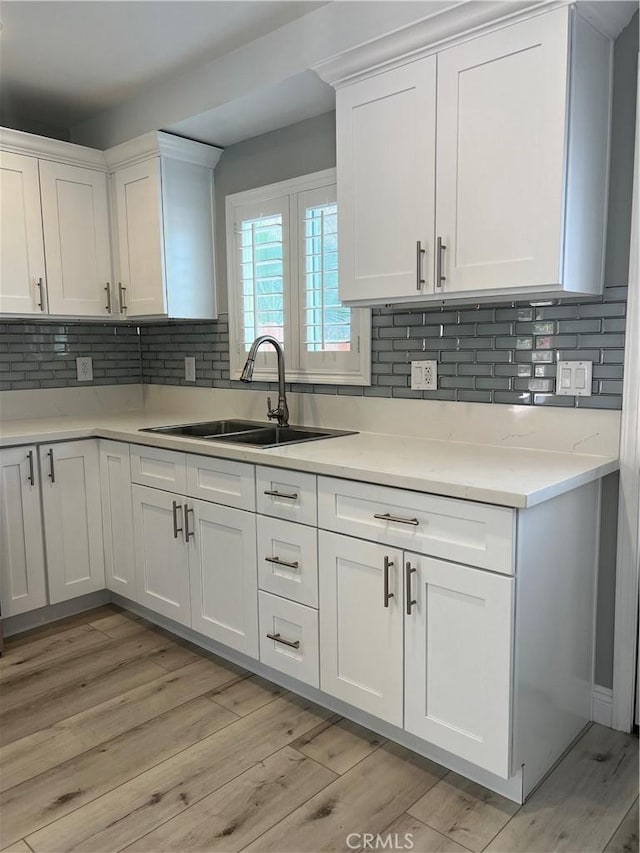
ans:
(574, 378)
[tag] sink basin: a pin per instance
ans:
(247, 432)
(207, 429)
(275, 436)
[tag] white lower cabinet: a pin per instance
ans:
(361, 624)
(23, 584)
(401, 630)
(72, 509)
(457, 665)
(117, 518)
(289, 637)
(161, 558)
(222, 565)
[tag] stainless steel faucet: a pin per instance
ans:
(281, 413)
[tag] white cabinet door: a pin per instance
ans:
(162, 565)
(360, 637)
(22, 256)
(72, 518)
(224, 583)
(117, 518)
(23, 583)
(139, 218)
(458, 659)
(386, 186)
(76, 238)
(502, 103)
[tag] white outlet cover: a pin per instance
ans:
(424, 375)
(189, 368)
(84, 368)
(573, 378)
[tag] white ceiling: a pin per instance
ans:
(63, 61)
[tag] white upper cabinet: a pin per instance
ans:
(56, 247)
(22, 272)
(386, 215)
(522, 157)
(164, 203)
(505, 137)
(75, 218)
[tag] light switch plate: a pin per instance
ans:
(84, 368)
(573, 378)
(424, 375)
(189, 369)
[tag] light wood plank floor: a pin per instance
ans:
(117, 736)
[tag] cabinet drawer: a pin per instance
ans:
(162, 469)
(288, 560)
(464, 532)
(295, 651)
(221, 481)
(287, 494)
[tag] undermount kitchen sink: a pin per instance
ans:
(207, 429)
(247, 432)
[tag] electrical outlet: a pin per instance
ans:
(84, 368)
(424, 375)
(190, 369)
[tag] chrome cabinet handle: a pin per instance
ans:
(52, 470)
(40, 286)
(188, 533)
(387, 595)
(31, 478)
(279, 639)
(289, 564)
(419, 253)
(176, 529)
(439, 250)
(386, 516)
(108, 306)
(276, 494)
(121, 291)
(409, 570)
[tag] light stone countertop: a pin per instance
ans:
(507, 476)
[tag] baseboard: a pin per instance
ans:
(53, 612)
(602, 705)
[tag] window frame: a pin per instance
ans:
(354, 367)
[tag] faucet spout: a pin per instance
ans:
(281, 413)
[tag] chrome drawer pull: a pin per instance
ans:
(386, 516)
(121, 297)
(176, 529)
(439, 250)
(52, 470)
(289, 564)
(276, 494)
(409, 570)
(188, 533)
(108, 308)
(387, 595)
(279, 639)
(419, 253)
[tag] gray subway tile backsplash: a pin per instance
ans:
(503, 353)
(43, 354)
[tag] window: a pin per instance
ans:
(282, 271)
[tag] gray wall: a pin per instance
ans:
(308, 146)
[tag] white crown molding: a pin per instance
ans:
(468, 19)
(44, 148)
(160, 144)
